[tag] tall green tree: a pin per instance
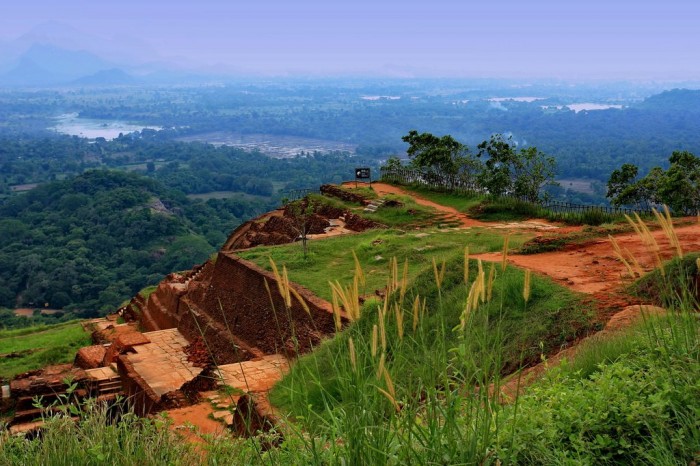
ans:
(521, 172)
(678, 187)
(444, 154)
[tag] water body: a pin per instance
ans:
(73, 125)
(516, 99)
(271, 144)
(591, 106)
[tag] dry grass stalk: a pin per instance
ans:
(473, 298)
(620, 255)
(635, 263)
(675, 241)
(482, 282)
(336, 313)
(526, 285)
(382, 327)
(353, 357)
(389, 383)
(404, 281)
(349, 298)
(374, 340)
(650, 242)
(393, 284)
(282, 281)
(667, 226)
(398, 312)
(439, 275)
(466, 265)
(633, 223)
(416, 313)
(359, 273)
(504, 255)
(390, 398)
(489, 284)
(285, 288)
(380, 367)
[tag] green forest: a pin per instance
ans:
(89, 242)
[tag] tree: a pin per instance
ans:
(444, 157)
(393, 163)
(444, 154)
(301, 212)
(620, 181)
(680, 188)
(507, 170)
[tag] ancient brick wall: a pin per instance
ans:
(140, 396)
(238, 296)
(230, 306)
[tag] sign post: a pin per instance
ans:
(363, 173)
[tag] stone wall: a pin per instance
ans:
(140, 396)
(229, 305)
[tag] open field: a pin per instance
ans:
(31, 348)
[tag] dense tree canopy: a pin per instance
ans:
(677, 187)
(504, 169)
(89, 242)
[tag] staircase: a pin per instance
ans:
(104, 381)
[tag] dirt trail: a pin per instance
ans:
(593, 267)
(453, 214)
(383, 189)
(588, 268)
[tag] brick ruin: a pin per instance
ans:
(227, 314)
(229, 308)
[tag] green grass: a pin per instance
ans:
(679, 285)
(147, 291)
(489, 209)
(407, 214)
(461, 202)
(36, 347)
(374, 249)
(435, 354)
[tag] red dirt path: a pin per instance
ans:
(593, 267)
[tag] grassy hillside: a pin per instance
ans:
(416, 378)
(30, 348)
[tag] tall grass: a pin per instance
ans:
(99, 437)
(414, 379)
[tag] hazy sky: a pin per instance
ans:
(492, 38)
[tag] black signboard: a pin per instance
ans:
(362, 173)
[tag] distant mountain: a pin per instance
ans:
(122, 49)
(683, 100)
(26, 72)
(47, 65)
(111, 77)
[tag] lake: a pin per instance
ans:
(73, 125)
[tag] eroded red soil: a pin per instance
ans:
(593, 267)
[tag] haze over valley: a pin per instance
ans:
(368, 232)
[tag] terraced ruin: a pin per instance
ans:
(220, 336)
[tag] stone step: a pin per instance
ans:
(110, 391)
(107, 385)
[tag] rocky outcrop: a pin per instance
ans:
(332, 190)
